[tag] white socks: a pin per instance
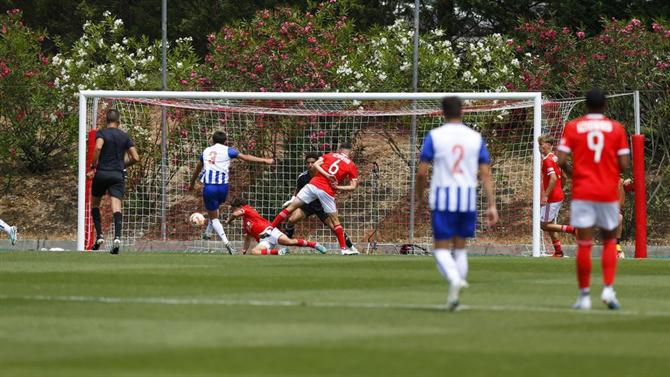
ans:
(461, 259)
(446, 265)
(4, 226)
(218, 228)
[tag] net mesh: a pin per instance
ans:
(375, 216)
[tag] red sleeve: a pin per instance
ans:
(548, 167)
(565, 144)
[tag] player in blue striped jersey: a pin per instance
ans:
(214, 164)
(458, 154)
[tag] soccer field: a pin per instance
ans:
(72, 314)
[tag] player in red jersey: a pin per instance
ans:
(599, 148)
(267, 237)
(331, 171)
(552, 194)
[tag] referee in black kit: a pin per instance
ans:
(108, 173)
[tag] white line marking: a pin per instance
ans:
(321, 304)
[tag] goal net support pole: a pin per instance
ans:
(639, 185)
(233, 103)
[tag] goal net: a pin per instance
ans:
(286, 126)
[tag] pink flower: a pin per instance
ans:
(580, 35)
(183, 82)
(183, 133)
(311, 40)
(194, 74)
(667, 34)
(265, 14)
(28, 74)
(599, 56)
(635, 22)
(4, 29)
(258, 68)
(260, 24)
(566, 30)
(14, 11)
(510, 42)
(4, 70)
(211, 38)
(323, 146)
(655, 27)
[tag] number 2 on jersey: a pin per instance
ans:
(595, 141)
(459, 152)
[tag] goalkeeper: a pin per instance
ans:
(309, 209)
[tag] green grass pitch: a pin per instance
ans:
(161, 314)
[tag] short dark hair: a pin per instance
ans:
(219, 137)
(113, 116)
(452, 107)
(311, 155)
(346, 145)
(238, 202)
(596, 99)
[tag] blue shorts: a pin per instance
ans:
(214, 196)
(447, 224)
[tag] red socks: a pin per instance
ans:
(270, 252)
(281, 217)
(584, 262)
(608, 261)
(557, 246)
(303, 243)
(339, 232)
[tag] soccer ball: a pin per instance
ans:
(197, 219)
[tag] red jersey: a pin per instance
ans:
(338, 165)
(253, 223)
(550, 167)
(596, 142)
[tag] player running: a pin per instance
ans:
(12, 234)
(599, 148)
(216, 160)
(267, 237)
(309, 209)
(552, 194)
(332, 169)
(114, 152)
(457, 153)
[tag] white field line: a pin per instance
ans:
(321, 304)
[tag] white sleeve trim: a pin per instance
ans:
(564, 148)
(623, 152)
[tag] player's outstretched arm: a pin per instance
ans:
(196, 174)
(421, 182)
(132, 157)
(487, 183)
(250, 158)
(235, 214)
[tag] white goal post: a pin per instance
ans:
(235, 107)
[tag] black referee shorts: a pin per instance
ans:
(315, 208)
(112, 182)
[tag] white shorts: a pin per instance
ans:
(549, 211)
(586, 214)
(270, 238)
(310, 193)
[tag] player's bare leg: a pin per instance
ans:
(218, 228)
(553, 229)
(287, 241)
(262, 250)
(584, 246)
(295, 217)
(446, 264)
(609, 261)
(118, 221)
(619, 231)
(97, 222)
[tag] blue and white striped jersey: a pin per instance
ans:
(216, 163)
(456, 152)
